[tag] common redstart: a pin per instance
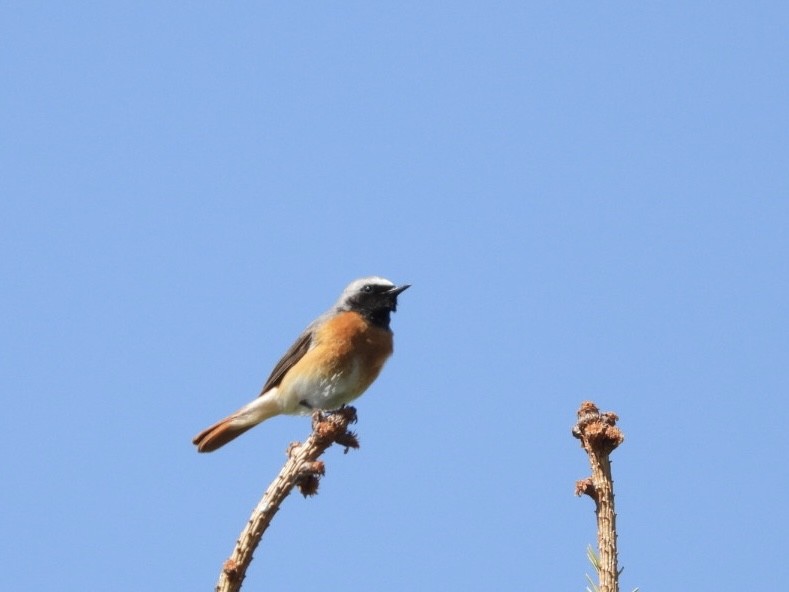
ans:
(332, 362)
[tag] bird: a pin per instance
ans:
(334, 360)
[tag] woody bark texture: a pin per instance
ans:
(302, 470)
(599, 436)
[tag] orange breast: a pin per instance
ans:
(349, 341)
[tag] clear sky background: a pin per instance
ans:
(590, 200)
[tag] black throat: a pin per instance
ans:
(376, 307)
(379, 317)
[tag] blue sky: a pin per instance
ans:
(590, 200)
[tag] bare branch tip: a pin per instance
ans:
(302, 470)
(332, 426)
(597, 430)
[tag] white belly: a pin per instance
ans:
(310, 392)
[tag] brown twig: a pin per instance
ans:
(599, 437)
(302, 470)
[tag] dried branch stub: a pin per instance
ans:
(597, 431)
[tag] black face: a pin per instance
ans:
(376, 302)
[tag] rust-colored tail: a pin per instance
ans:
(234, 425)
(218, 435)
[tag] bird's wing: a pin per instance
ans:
(300, 347)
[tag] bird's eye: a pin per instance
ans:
(367, 288)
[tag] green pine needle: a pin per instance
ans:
(594, 559)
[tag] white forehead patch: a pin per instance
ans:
(356, 285)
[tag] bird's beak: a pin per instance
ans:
(397, 289)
